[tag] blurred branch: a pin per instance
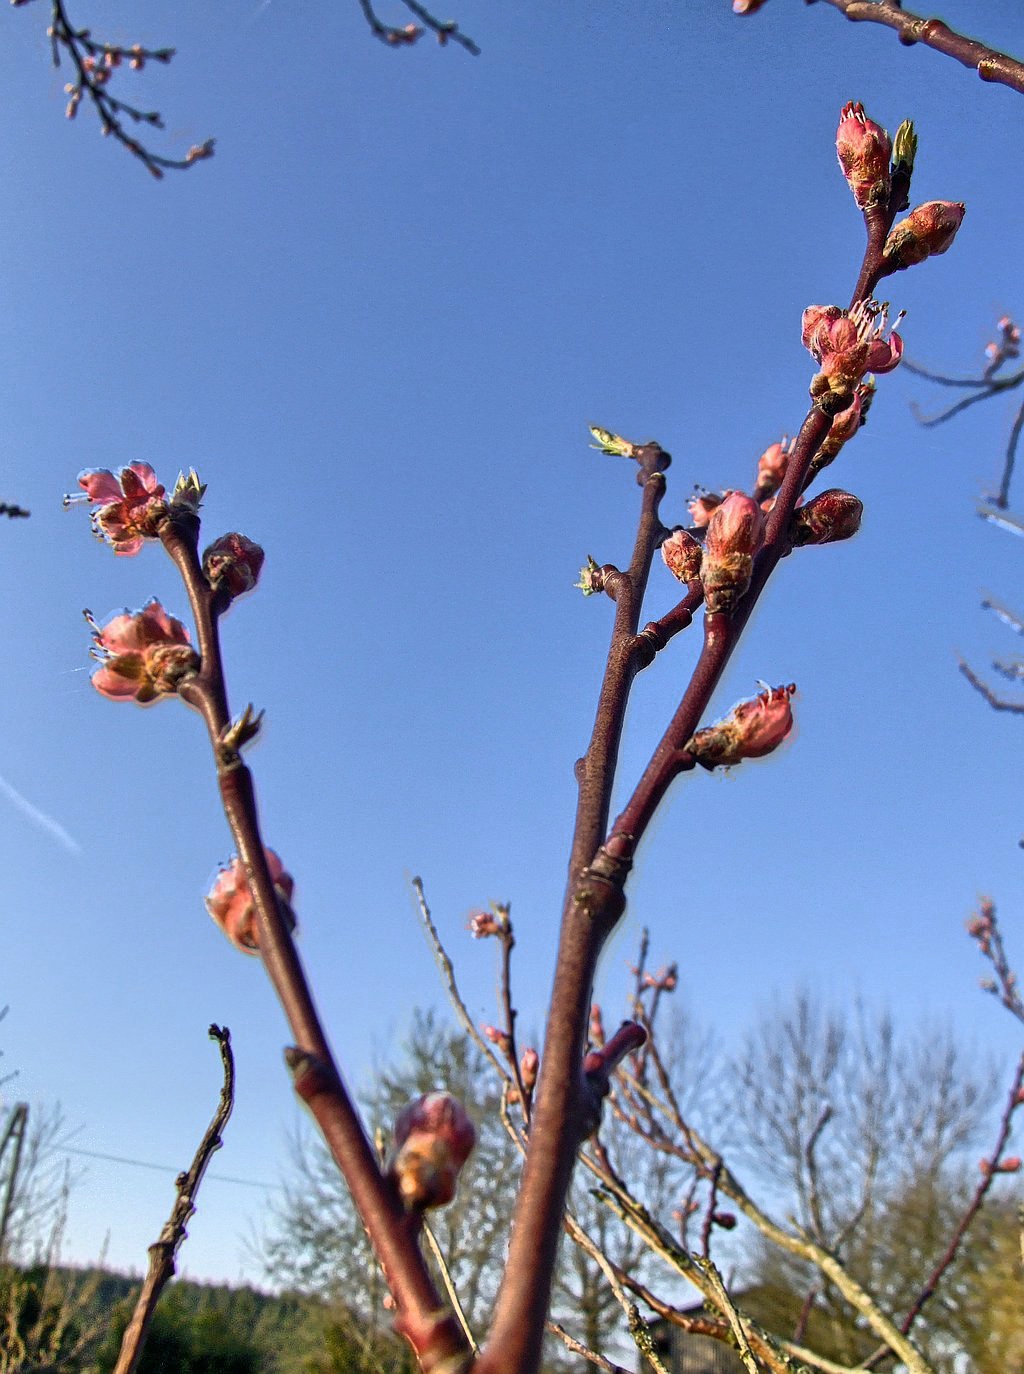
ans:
(989, 63)
(445, 30)
(163, 1251)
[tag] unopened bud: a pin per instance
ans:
(831, 516)
(433, 1139)
(750, 730)
(771, 467)
(735, 533)
(682, 555)
(926, 232)
(727, 1220)
(529, 1067)
(596, 1025)
(864, 152)
(703, 505)
(233, 562)
(498, 1038)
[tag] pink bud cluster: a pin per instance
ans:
(665, 980)
(1006, 346)
(496, 921)
(433, 1139)
(143, 655)
(750, 730)
(231, 905)
(981, 926)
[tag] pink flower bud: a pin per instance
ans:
(750, 730)
(482, 924)
(1010, 1165)
(230, 902)
(735, 533)
(529, 1067)
(143, 655)
(829, 517)
(433, 1139)
(682, 556)
(130, 505)
(747, 6)
(596, 1025)
(234, 562)
(926, 232)
(864, 151)
(727, 1220)
(497, 1037)
(771, 467)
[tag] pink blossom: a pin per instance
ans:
(848, 345)
(233, 561)
(433, 1139)
(130, 505)
(750, 730)
(143, 655)
(864, 152)
(703, 505)
(529, 1067)
(230, 902)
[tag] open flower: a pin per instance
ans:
(433, 1139)
(128, 505)
(143, 655)
(848, 344)
(230, 902)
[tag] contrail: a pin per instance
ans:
(41, 819)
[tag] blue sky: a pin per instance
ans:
(378, 323)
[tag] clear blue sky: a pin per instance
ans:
(378, 322)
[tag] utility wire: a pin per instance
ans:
(164, 1168)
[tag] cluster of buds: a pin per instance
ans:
(665, 980)
(433, 1139)
(1009, 1164)
(829, 517)
(1006, 346)
(496, 921)
(847, 345)
(750, 730)
(735, 532)
(682, 556)
(143, 655)
(404, 36)
(231, 905)
(500, 1039)
(981, 926)
(925, 233)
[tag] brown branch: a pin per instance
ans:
(163, 1251)
(422, 1317)
(584, 1351)
(989, 63)
(996, 702)
(445, 30)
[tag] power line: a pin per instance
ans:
(165, 1168)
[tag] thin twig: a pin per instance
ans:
(449, 1284)
(584, 1351)
(996, 702)
(163, 1251)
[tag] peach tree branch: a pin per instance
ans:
(163, 1251)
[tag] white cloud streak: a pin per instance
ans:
(39, 818)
